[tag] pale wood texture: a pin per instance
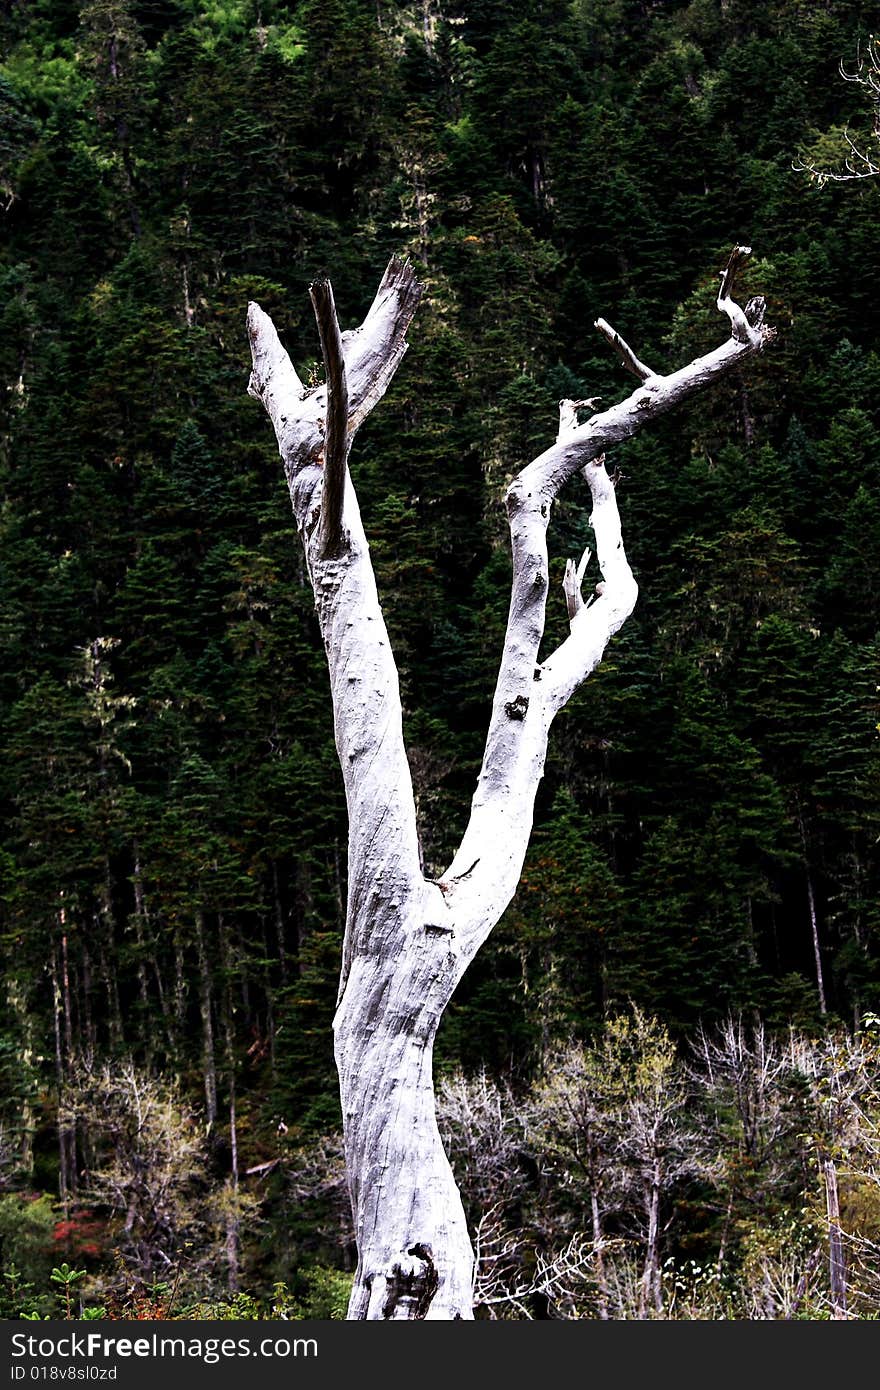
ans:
(408, 940)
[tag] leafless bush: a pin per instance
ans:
(147, 1166)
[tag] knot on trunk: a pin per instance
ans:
(412, 1284)
(516, 709)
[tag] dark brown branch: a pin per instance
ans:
(336, 441)
(624, 351)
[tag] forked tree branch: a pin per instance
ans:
(374, 351)
(530, 692)
(745, 325)
(371, 355)
(363, 675)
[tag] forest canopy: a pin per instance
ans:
(704, 870)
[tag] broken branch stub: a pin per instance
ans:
(336, 432)
(623, 350)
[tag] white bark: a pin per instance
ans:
(408, 941)
(837, 1259)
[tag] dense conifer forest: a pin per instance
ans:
(659, 1080)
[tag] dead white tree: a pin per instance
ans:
(408, 941)
(745, 1077)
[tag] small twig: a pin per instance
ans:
(624, 351)
(262, 1169)
(336, 442)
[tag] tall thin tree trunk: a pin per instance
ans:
(836, 1255)
(209, 1066)
(86, 992)
(233, 1220)
(146, 939)
(108, 961)
(814, 924)
(817, 954)
(189, 314)
(66, 1140)
(179, 999)
(279, 923)
(65, 995)
(139, 922)
(599, 1249)
(651, 1292)
(26, 1024)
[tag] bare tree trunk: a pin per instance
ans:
(66, 1134)
(107, 960)
(65, 995)
(599, 1249)
(68, 1128)
(279, 922)
(26, 1024)
(209, 1066)
(410, 1224)
(817, 955)
(233, 1223)
(139, 921)
(836, 1256)
(814, 924)
(409, 940)
(651, 1293)
(179, 987)
(86, 1014)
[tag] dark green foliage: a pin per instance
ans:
(172, 856)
